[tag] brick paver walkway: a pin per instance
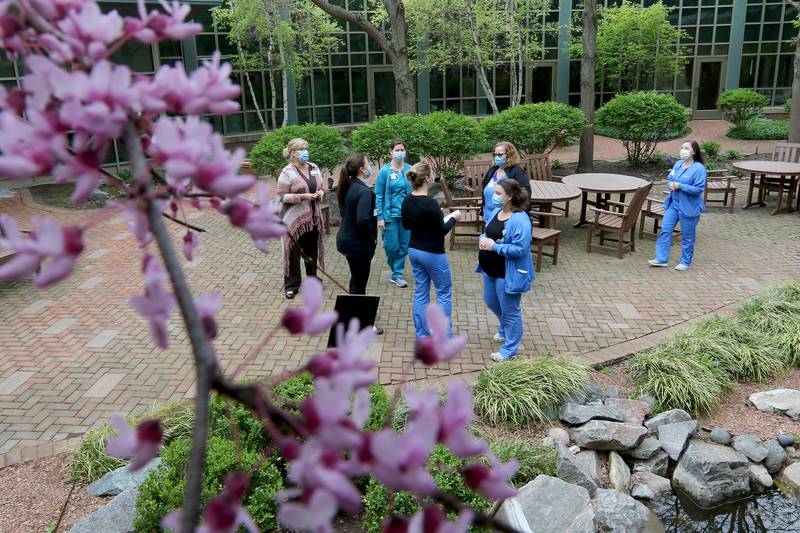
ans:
(75, 354)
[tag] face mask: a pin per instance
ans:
(303, 155)
(368, 173)
(399, 156)
(497, 200)
(499, 160)
(685, 153)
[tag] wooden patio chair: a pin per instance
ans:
(618, 222)
(544, 235)
(654, 208)
(474, 171)
(720, 182)
(785, 153)
(539, 169)
(471, 224)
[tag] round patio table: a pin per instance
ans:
(603, 185)
(775, 175)
(546, 193)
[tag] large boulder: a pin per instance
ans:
(603, 435)
(582, 469)
(618, 473)
(575, 414)
(116, 517)
(673, 437)
(760, 479)
(551, 505)
(720, 436)
(647, 449)
(119, 480)
(667, 417)
(710, 474)
(657, 464)
(785, 401)
(559, 435)
(660, 486)
(791, 476)
(750, 444)
(633, 411)
(776, 456)
(512, 515)
(618, 513)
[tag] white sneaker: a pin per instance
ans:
(657, 263)
(399, 282)
(498, 338)
(497, 357)
(681, 267)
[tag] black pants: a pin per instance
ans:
(308, 243)
(359, 274)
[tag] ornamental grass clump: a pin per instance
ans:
(517, 393)
(776, 314)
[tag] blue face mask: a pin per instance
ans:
(369, 172)
(497, 200)
(303, 155)
(399, 156)
(499, 160)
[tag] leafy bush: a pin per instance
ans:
(761, 129)
(517, 393)
(162, 490)
(450, 139)
(733, 154)
(373, 139)
(535, 128)
(640, 120)
(741, 105)
(444, 467)
(533, 460)
(711, 149)
(326, 147)
(776, 314)
(787, 106)
(677, 380)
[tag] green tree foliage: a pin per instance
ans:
(535, 128)
(373, 139)
(741, 106)
(325, 146)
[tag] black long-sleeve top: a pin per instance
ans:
(423, 216)
(358, 234)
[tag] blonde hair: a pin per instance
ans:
(417, 174)
(512, 156)
(294, 144)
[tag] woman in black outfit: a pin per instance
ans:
(506, 165)
(358, 233)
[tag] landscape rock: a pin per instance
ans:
(720, 436)
(576, 414)
(119, 480)
(776, 456)
(551, 505)
(658, 464)
(791, 476)
(579, 469)
(618, 473)
(750, 444)
(603, 435)
(673, 437)
(786, 440)
(711, 474)
(633, 411)
(612, 392)
(559, 435)
(618, 513)
(116, 517)
(792, 454)
(512, 515)
(784, 401)
(667, 417)
(575, 449)
(646, 398)
(660, 486)
(760, 479)
(646, 450)
(642, 492)
(595, 392)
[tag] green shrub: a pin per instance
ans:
(711, 149)
(162, 490)
(741, 105)
(450, 139)
(535, 128)
(742, 353)
(776, 314)
(677, 380)
(761, 129)
(325, 147)
(787, 106)
(251, 433)
(373, 139)
(295, 389)
(640, 120)
(517, 393)
(533, 460)
(733, 154)
(443, 466)
(379, 402)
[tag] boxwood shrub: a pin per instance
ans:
(535, 128)
(326, 147)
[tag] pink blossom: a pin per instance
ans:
(314, 512)
(29, 147)
(455, 417)
(190, 244)
(260, 220)
(439, 347)
(346, 363)
(82, 168)
(224, 512)
(491, 482)
(141, 446)
(137, 219)
(156, 304)
(89, 31)
(308, 320)
(325, 413)
(155, 26)
(208, 305)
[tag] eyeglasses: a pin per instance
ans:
(498, 155)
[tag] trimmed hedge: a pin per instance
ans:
(326, 148)
(741, 105)
(535, 128)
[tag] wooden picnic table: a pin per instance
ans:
(603, 185)
(546, 193)
(780, 175)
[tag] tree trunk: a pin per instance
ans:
(240, 51)
(481, 70)
(272, 98)
(284, 83)
(588, 66)
(794, 115)
(395, 47)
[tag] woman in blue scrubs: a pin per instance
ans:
(391, 188)
(687, 181)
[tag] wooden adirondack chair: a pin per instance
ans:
(618, 222)
(538, 168)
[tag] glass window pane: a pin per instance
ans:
(687, 3)
(769, 48)
(723, 34)
(684, 98)
(750, 48)
(691, 33)
(673, 17)
(437, 84)
(468, 106)
(341, 87)
(339, 60)
(721, 49)
(707, 16)
(773, 13)
(468, 83)
(747, 74)
(304, 115)
(373, 46)
(753, 14)
(323, 115)
(252, 122)
(205, 45)
(341, 114)
(724, 15)
(203, 16)
(751, 32)
(453, 105)
(688, 17)
(684, 79)
(358, 42)
(321, 89)
(304, 93)
(704, 50)
(226, 46)
(503, 103)
(436, 105)
(360, 113)
(706, 34)
(234, 123)
(376, 59)
(664, 83)
(766, 71)
(358, 59)
(770, 32)
(169, 49)
(574, 76)
(358, 79)
(138, 56)
(453, 82)
(6, 68)
(785, 71)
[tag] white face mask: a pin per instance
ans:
(685, 153)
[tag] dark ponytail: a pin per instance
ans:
(348, 172)
(519, 196)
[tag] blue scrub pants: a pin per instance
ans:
(688, 232)
(506, 308)
(426, 267)
(395, 244)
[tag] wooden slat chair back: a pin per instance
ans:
(786, 152)
(474, 171)
(471, 224)
(618, 222)
(719, 182)
(539, 168)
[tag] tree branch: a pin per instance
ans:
(182, 223)
(361, 22)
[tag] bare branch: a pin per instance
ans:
(360, 21)
(182, 223)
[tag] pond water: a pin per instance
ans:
(772, 511)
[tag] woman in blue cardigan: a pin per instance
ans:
(506, 264)
(687, 181)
